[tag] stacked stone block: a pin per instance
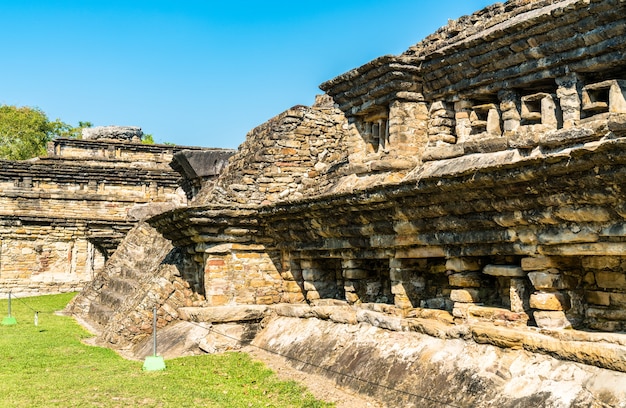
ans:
(509, 106)
(408, 282)
(321, 279)
(408, 123)
(441, 124)
(367, 280)
(605, 294)
(551, 299)
(465, 279)
(285, 158)
(244, 274)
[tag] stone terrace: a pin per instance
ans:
(468, 189)
(64, 214)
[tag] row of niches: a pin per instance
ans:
(552, 293)
(139, 189)
(512, 113)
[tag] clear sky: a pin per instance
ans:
(193, 72)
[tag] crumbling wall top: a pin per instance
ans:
(118, 133)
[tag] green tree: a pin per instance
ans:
(147, 139)
(25, 132)
(62, 129)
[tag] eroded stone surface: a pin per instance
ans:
(468, 189)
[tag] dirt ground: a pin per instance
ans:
(321, 387)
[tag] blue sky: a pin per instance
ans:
(197, 73)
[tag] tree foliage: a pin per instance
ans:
(25, 132)
(147, 139)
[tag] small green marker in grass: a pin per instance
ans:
(154, 362)
(9, 320)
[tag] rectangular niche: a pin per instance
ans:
(603, 97)
(374, 128)
(540, 108)
(485, 118)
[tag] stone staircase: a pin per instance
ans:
(119, 284)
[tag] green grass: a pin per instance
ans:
(48, 366)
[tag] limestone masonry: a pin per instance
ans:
(445, 227)
(63, 215)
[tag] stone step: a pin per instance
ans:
(100, 313)
(133, 271)
(122, 285)
(111, 298)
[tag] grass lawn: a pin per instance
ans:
(48, 366)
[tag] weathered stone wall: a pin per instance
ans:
(469, 189)
(62, 215)
(285, 158)
(46, 260)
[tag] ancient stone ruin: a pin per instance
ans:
(63, 215)
(445, 227)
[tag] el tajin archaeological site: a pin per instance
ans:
(444, 227)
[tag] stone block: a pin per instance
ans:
(465, 280)
(306, 263)
(222, 314)
(343, 315)
(497, 314)
(538, 263)
(601, 262)
(461, 310)
(465, 295)
(463, 264)
(606, 314)
(266, 300)
(421, 252)
(611, 280)
(351, 298)
(291, 286)
(566, 237)
(502, 337)
(551, 281)
(618, 299)
(381, 320)
(518, 295)
(295, 310)
(605, 326)
(292, 297)
(504, 270)
(257, 283)
(598, 298)
(398, 289)
(217, 300)
(583, 214)
(356, 274)
(552, 320)
(352, 263)
(550, 301)
(312, 274)
(402, 302)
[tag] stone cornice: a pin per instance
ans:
(472, 206)
(214, 223)
(373, 85)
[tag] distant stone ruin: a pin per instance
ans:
(114, 133)
(63, 215)
(446, 226)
